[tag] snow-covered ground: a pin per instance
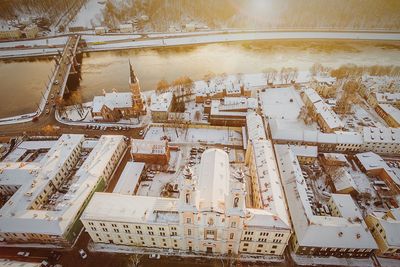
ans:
(211, 135)
(315, 261)
(90, 15)
(231, 37)
(61, 40)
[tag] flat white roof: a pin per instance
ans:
(129, 178)
(381, 135)
(161, 102)
(139, 146)
(281, 103)
(131, 209)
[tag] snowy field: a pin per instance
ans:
(90, 15)
(210, 136)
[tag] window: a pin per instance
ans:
(149, 228)
(137, 227)
(93, 228)
(260, 245)
(188, 220)
(187, 198)
(90, 223)
(116, 230)
(233, 224)
(189, 231)
(245, 244)
(113, 225)
(258, 250)
(127, 231)
(235, 202)
(274, 246)
(244, 249)
(125, 226)
(272, 252)
(231, 236)
(151, 233)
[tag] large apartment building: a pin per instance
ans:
(46, 197)
(211, 215)
(343, 234)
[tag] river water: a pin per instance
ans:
(21, 83)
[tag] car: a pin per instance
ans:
(52, 96)
(154, 256)
(47, 111)
(44, 263)
(56, 82)
(23, 254)
(141, 132)
(83, 254)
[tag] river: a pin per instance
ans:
(22, 82)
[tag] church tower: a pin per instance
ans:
(137, 100)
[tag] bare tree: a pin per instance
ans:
(134, 259)
(162, 86)
(284, 75)
(208, 77)
(270, 75)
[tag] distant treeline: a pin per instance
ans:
(261, 14)
(337, 14)
(375, 70)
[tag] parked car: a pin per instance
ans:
(83, 254)
(56, 82)
(154, 256)
(23, 254)
(141, 132)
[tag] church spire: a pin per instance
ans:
(132, 74)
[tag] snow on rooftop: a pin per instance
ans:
(381, 135)
(372, 161)
(327, 114)
(255, 126)
(112, 100)
(318, 231)
(17, 217)
(281, 103)
(391, 111)
(134, 209)
(271, 191)
(213, 178)
(139, 146)
(129, 178)
(161, 102)
(342, 180)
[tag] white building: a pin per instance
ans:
(100, 30)
(37, 211)
(341, 235)
(210, 215)
(126, 28)
(161, 105)
(130, 178)
(381, 140)
(385, 227)
(327, 119)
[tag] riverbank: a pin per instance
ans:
(120, 42)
